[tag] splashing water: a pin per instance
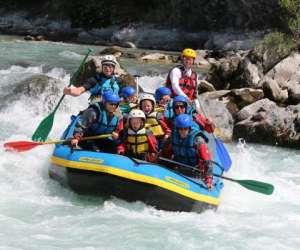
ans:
(37, 213)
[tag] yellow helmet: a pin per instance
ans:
(189, 53)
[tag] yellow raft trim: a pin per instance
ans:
(136, 177)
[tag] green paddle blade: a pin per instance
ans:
(257, 186)
(43, 130)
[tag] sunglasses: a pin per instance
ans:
(179, 106)
(113, 104)
(184, 129)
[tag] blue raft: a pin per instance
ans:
(97, 173)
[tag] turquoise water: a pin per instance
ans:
(37, 213)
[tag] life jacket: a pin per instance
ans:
(185, 150)
(125, 107)
(104, 84)
(104, 125)
(153, 124)
(188, 84)
(169, 113)
(137, 142)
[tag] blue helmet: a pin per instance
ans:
(183, 121)
(109, 96)
(160, 92)
(127, 91)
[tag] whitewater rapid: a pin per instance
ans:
(37, 213)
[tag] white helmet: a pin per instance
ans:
(136, 113)
(146, 96)
(109, 60)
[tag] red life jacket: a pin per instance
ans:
(188, 84)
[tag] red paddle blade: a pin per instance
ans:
(20, 146)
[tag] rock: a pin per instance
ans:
(40, 38)
(85, 37)
(36, 87)
(29, 38)
(265, 122)
(156, 58)
(205, 86)
(246, 96)
(128, 44)
(287, 74)
(224, 73)
(114, 50)
(273, 91)
(218, 113)
(250, 74)
(217, 95)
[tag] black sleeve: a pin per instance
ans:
(88, 117)
(90, 83)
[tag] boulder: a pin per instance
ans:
(205, 86)
(218, 113)
(157, 58)
(35, 88)
(114, 50)
(287, 74)
(273, 91)
(265, 122)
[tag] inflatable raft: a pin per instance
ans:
(167, 188)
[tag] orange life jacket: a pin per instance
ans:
(188, 84)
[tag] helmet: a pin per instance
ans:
(136, 113)
(109, 60)
(146, 96)
(180, 98)
(183, 121)
(127, 91)
(160, 92)
(189, 53)
(109, 96)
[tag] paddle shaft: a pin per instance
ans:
(72, 78)
(253, 185)
(82, 139)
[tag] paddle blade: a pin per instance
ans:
(223, 155)
(257, 186)
(43, 130)
(20, 146)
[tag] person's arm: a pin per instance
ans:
(74, 91)
(77, 91)
(86, 120)
(152, 142)
(175, 75)
(205, 123)
(164, 125)
(120, 127)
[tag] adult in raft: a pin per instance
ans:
(100, 118)
(182, 80)
(102, 82)
(188, 147)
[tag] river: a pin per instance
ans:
(36, 212)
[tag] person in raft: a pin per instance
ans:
(102, 82)
(181, 106)
(188, 147)
(130, 100)
(162, 97)
(99, 118)
(155, 121)
(136, 140)
(182, 80)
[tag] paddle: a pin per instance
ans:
(256, 186)
(221, 150)
(44, 128)
(21, 146)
